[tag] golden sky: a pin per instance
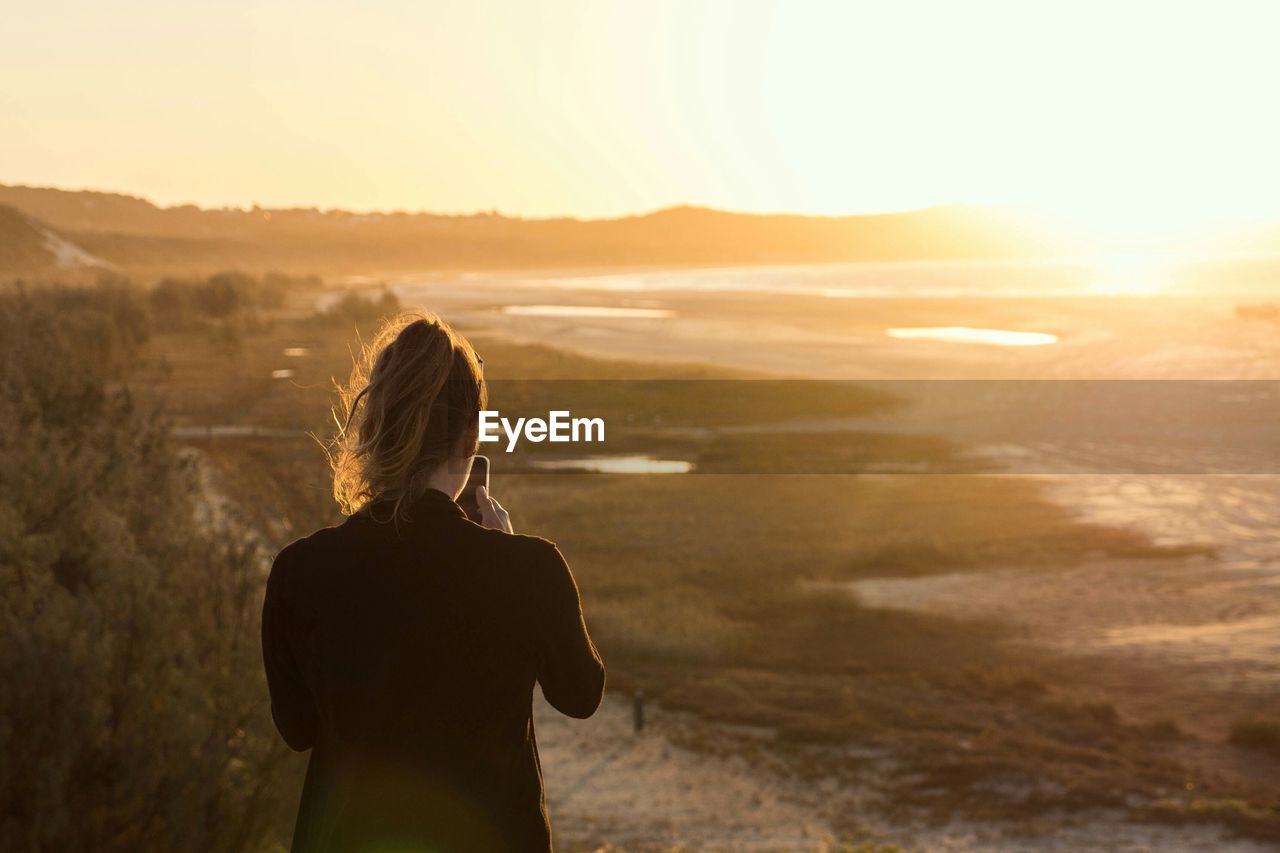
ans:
(1128, 117)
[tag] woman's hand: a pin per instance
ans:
(491, 512)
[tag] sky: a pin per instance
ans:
(1123, 117)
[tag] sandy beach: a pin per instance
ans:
(846, 337)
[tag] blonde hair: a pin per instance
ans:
(414, 391)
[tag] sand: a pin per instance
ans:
(609, 788)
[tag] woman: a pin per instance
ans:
(402, 646)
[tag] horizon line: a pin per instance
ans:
(499, 213)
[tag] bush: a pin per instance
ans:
(357, 309)
(180, 303)
(1262, 735)
(133, 713)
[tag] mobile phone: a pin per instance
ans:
(479, 477)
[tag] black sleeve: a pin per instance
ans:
(569, 667)
(292, 706)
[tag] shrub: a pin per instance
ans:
(1262, 735)
(133, 713)
(179, 303)
(357, 309)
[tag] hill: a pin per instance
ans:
(28, 246)
(135, 234)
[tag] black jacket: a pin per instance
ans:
(403, 655)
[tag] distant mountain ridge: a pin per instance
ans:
(134, 234)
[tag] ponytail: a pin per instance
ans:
(414, 392)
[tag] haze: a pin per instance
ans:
(1132, 119)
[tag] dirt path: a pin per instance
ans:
(607, 785)
(611, 789)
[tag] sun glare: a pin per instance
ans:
(1130, 274)
(967, 335)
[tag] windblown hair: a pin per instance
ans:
(414, 391)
